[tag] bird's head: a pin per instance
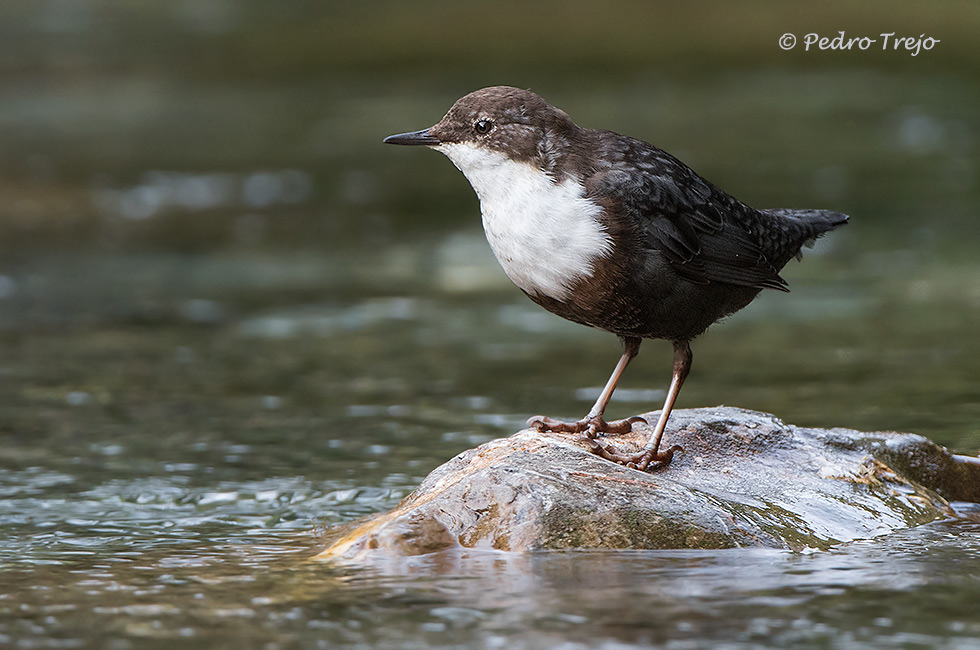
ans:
(497, 123)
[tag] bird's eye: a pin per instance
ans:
(483, 126)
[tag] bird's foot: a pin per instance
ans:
(641, 460)
(591, 427)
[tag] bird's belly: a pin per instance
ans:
(649, 300)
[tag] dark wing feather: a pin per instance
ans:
(705, 234)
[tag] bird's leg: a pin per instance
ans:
(650, 452)
(593, 424)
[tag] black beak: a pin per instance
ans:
(422, 137)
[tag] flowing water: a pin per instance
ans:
(231, 319)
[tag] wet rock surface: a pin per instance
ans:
(744, 479)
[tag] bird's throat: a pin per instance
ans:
(547, 235)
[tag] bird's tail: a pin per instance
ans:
(820, 221)
(811, 223)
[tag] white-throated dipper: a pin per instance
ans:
(612, 232)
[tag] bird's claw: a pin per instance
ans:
(641, 460)
(590, 427)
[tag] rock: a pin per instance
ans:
(743, 479)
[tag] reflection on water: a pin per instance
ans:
(230, 318)
(261, 591)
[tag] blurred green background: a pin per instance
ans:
(170, 170)
(226, 309)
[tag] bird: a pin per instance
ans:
(614, 233)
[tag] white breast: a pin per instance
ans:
(546, 235)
